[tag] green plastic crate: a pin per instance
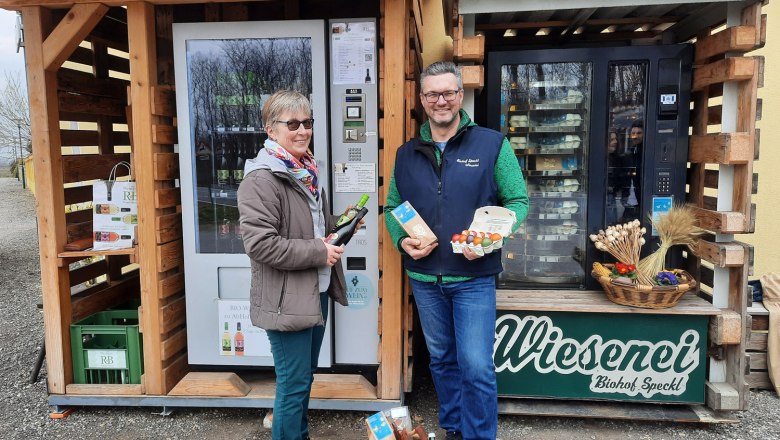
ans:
(107, 348)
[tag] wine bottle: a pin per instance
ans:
(341, 235)
(226, 341)
(239, 340)
(109, 209)
(238, 169)
(350, 213)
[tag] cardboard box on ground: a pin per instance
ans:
(394, 424)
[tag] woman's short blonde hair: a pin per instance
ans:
(282, 102)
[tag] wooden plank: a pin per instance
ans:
(757, 341)
(88, 272)
(725, 222)
(721, 396)
(718, 253)
(730, 39)
(173, 315)
(70, 32)
(79, 216)
(169, 256)
(759, 380)
(81, 168)
(747, 94)
(221, 384)
(722, 148)
(143, 75)
(174, 344)
(760, 322)
(172, 373)
(164, 101)
(235, 12)
(164, 134)
(91, 105)
(729, 69)
(47, 160)
(94, 253)
(103, 296)
(78, 231)
(473, 76)
(167, 197)
(171, 285)
(758, 361)
(169, 227)
(342, 386)
(166, 166)
(471, 49)
(83, 83)
(105, 389)
(84, 56)
(389, 374)
(78, 194)
(726, 328)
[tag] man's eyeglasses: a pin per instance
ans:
(294, 124)
(433, 97)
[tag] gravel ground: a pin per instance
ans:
(24, 409)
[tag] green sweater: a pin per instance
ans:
(511, 195)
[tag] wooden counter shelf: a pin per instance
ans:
(592, 301)
(133, 252)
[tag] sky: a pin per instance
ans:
(10, 61)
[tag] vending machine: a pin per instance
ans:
(601, 135)
(225, 73)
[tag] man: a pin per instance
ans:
(450, 170)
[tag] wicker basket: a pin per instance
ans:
(648, 297)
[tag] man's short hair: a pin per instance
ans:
(441, 68)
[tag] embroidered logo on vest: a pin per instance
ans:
(469, 162)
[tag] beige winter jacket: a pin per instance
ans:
(278, 233)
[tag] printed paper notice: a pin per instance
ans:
(359, 177)
(352, 57)
(237, 335)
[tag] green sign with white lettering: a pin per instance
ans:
(636, 357)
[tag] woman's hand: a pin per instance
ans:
(410, 246)
(334, 252)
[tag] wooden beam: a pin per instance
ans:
(473, 76)
(342, 386)
(389, 376)
(720, 254)
(731, 39)
(79, 168)
(211, 384)
(171, 285)
(722, 148)
(70, 32)
(729, 69)
(143, 77)
(105, 389)
(721, 222)
(45, 131)
(726, 328)
(721, 396)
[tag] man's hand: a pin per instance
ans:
(469, 254)
(334, 253)
(411, 247)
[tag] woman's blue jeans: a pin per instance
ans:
(295, 361)
(459, 322)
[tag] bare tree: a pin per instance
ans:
(14, 119)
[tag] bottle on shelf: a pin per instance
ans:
(226, 341)
(223, 168)
(347, 223)
(239, 340)
(110, 236)
(238, 169)
(130, 219)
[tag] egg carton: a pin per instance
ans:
(568, 141)
(518, 142)
(567, 120)
(561, 185)
(559, 207)
(572, 97)
(566, 228)
(518, 121)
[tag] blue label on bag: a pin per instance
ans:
(379, 426)
(404, 212)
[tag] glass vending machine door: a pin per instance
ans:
(545, 116)
(626, 119)
(227, 73)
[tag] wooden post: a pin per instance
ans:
(50, 196)
(396, 17)
(143, 77)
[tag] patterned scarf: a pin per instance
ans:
(304, 170)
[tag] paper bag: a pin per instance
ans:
(115, 212)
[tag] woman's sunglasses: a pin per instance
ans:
(294, 124)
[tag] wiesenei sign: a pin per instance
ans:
(637, 357)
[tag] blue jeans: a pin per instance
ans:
(295, 361)
(459, 323)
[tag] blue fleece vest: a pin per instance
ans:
(446, 198)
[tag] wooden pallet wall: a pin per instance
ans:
(724, 159)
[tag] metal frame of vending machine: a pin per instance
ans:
(225, 73)
(558, 108)
(355, 155)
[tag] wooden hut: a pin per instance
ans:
(101, 73)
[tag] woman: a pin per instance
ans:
(284, 217)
